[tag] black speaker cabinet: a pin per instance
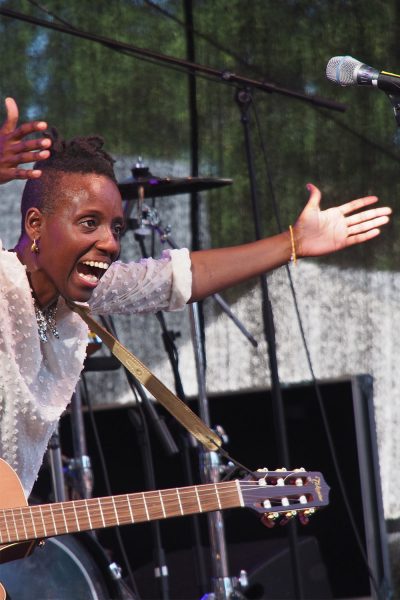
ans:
(331, 561)
(348, 404)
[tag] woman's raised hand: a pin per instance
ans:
(319, 232)
(16, 150)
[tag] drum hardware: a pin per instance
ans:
(151, 221)
(153, 186)
(67, 567)
(143, 184)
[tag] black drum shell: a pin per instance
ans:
(65, 568)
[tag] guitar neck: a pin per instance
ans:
(45, 520)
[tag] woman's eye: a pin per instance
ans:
(118, 229)
(89, 223)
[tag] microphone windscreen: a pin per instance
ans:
(340, 69)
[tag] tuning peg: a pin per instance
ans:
(287, 517)
(269, 519)
(304, 520)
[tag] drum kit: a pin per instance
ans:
(78, 567)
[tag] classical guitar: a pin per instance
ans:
(275, 495)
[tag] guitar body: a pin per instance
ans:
(12, 495)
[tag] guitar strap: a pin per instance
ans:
(168, 399)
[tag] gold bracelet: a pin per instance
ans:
(293, 257)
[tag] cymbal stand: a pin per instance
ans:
(225, 587)
(151, 221)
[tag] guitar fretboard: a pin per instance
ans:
(45, 520)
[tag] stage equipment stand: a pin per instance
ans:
(80, 466)
(56, 467)
(244, 100)
(224, 586)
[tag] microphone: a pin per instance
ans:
(346, 71)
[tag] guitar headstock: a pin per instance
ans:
(281, 494)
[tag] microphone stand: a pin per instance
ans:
(186, 65)
(244, 100)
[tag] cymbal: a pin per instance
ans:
(154, 187)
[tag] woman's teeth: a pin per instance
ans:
(95, 263)
(89, 277)
(93, 271)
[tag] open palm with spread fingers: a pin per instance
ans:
(319, 232)
(16, 150)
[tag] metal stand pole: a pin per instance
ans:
(80, 465)
(56, 467)
(223, 584)
(244, 99)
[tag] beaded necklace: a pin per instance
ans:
(46, 320)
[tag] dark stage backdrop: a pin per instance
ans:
(332, 563)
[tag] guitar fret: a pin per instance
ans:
(76, 516)
(130, 509)
(44, 524)
(64, 518)
(88, 514)
(14, 523)
(33, 521)
(2, 528)
(145, 507)
(115, 510)
(179, 500)
(23, 523)
(101, 512)
(198, 498)
(239, 492)
(49, 508)
(162, 504)
(218, 498)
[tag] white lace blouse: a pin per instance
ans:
(37, 379)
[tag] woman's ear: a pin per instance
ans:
(33, 223)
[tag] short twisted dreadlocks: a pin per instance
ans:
(78, 155)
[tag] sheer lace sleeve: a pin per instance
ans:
(145, 286)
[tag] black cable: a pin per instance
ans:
(107, 484)
(317, 388)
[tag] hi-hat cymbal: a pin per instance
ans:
(153, 186)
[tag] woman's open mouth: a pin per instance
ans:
(91, 271)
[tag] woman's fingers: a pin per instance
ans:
(367, 215)
(353, 205)
(26, 128)
(367, 225)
